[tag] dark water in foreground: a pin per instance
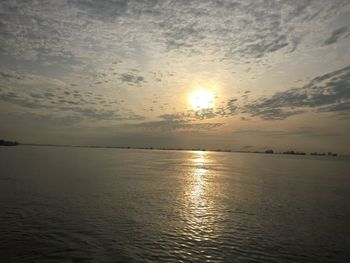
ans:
(109, 205)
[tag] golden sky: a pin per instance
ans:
(241, 75)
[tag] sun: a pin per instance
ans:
(201, 99)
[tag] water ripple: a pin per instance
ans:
(128, 206)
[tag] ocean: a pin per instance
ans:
(66, 204)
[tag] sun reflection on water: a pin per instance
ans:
(200, 213)
(198, 176)
(198, 183)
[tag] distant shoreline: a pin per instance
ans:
(8, 143)
(268, 152)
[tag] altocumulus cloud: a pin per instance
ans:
(34, 30)
(99, 43)
(55, 97)
(131, 78)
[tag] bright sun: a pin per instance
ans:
(201, 99)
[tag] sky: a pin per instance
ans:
(241, 75)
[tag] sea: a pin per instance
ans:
(70, 204)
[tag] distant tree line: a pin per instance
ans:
(269, 151)
(8, 143)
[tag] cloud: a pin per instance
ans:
(298, 131)
(246, 147)
(328, 93)
(9, 75)
(31, 118)
(104, 114)
(176, 125)
(227, 108)
(78, 104)
(337, 34)
(131, 78)
(35, 31)
(190, 115)
(99, 42)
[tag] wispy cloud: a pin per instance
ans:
(172, 125)
(329, 93)
(337, 34)
(303, 131)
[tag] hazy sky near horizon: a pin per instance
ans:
(122, 73)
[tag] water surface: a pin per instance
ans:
(61, 204)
